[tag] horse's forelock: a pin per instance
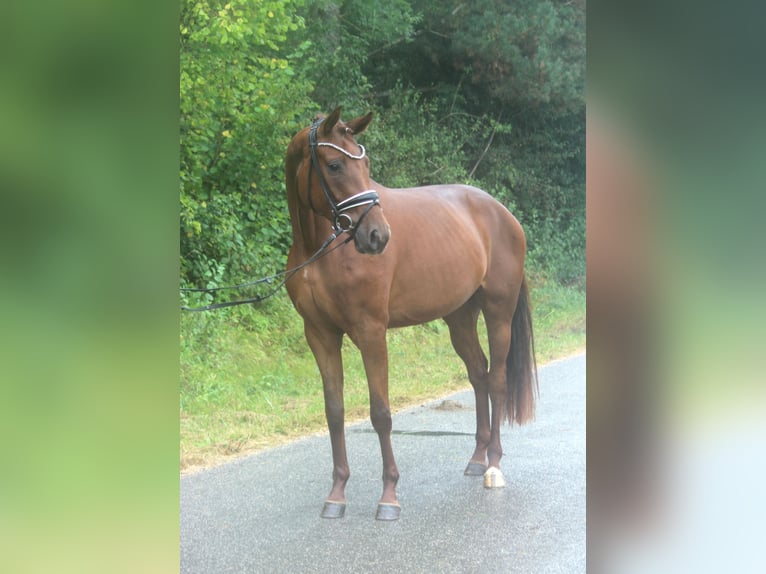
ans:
(344, 128)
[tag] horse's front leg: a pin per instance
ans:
(372, 344)
(326, 344)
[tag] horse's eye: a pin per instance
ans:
(335, 166)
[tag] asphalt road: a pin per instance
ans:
(260, 514)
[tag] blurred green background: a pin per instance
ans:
(88, 287)
(676, 276)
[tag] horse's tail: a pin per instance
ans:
(521, 366)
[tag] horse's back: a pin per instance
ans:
(462, 204)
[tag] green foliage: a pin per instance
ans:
(530, 52)
(542, 166)
(555, 249)
(527, 53)
(411, 143)
(241, 99)
(551, 187)
(489, 93)
(346, 34)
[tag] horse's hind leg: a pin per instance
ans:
(498, 317)
(465, 340)
(326, 346)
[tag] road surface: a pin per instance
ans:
(260, 514)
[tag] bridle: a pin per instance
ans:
(341, 221)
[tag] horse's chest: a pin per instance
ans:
(341, 299)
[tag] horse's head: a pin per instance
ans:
(333, 180)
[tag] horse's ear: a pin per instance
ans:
(329, 123)
(358, 125)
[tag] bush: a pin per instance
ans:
(242, 98)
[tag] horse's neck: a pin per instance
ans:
(302, 221)
(309, 231)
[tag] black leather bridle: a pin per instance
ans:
(341, 221)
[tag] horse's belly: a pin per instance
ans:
(434, 277)
(429, 299)
(413, 316)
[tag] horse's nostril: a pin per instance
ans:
(378, 241)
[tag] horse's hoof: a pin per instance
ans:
(333, 509)
(475, 469)
(388, 511)
(493, 478)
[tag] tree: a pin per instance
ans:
(345, 34)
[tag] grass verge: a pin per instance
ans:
(249, 381)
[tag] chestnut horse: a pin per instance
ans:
(442, 251)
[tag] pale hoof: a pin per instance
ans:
(333, 509)
(388, 511)
(493, 478)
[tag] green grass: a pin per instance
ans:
(249, 381)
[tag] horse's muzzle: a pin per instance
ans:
(372, 240)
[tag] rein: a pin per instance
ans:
(318, 254)
(342, 223)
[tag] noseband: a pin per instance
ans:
(341, 220)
